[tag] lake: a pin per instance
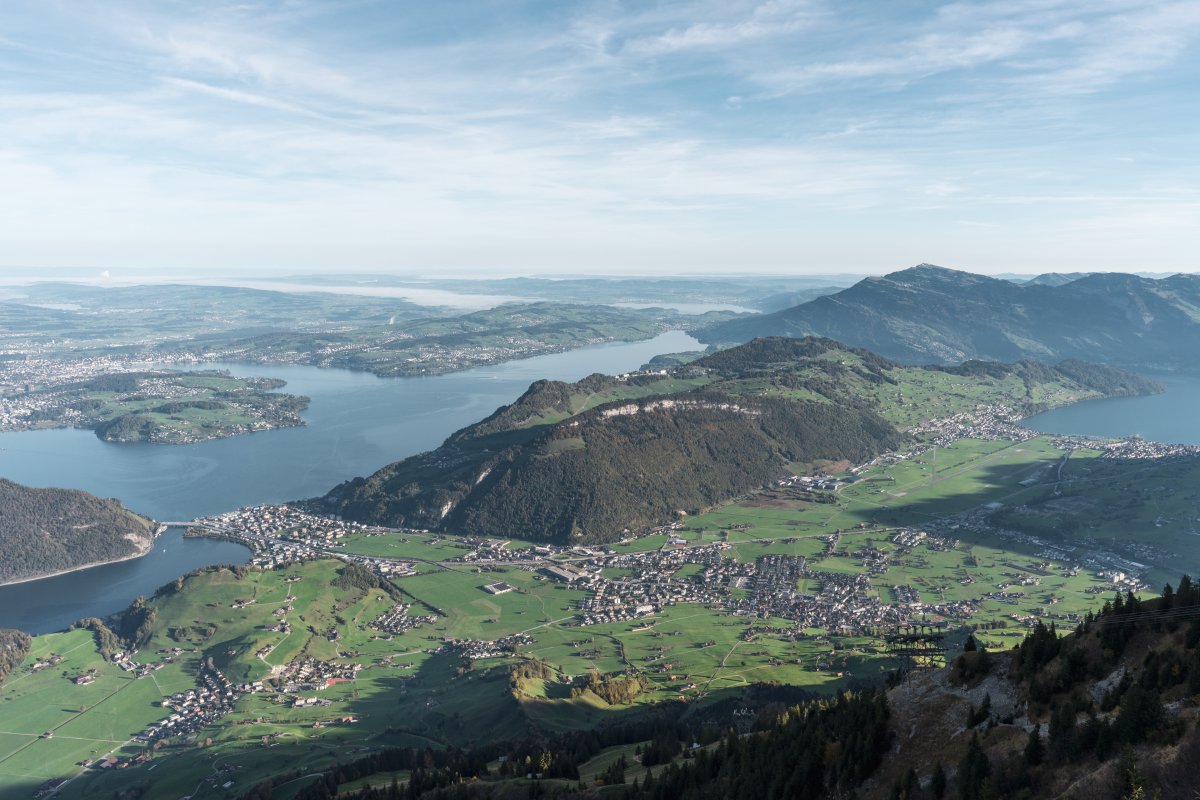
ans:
(357, 423)
(52, 604)
(1170, 417)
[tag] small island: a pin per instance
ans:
(158, 406)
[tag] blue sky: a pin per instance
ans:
(534, 137)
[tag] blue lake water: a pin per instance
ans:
(1172, 417)
(357, 423)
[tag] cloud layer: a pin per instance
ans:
(614, 137)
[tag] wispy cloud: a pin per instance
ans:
(693, 131)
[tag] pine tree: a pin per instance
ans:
(1034, 752)
(973, 771)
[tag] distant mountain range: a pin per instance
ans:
(929, 313)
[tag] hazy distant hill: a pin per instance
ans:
(928, 313)
(1055, 278)
(581, 462)
(50, 530)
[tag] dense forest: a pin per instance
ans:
(48, 530)
(616, 466)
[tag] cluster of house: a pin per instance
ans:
(907, 537)
(49, 661)
(1137, 447)
(650, 586)
(125, 661)
(310, 675)
(285, 522)
(1005, 596)
(833, 600)
(485, 549)
(986, 422)
(475, 649)
(1088, 552)
(280, 535)
(32, 373)
(398, 621)
(213, 698)
(1123, 581)
(48, 788)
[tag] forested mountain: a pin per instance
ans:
(584, 462)
(928, 313)
(49, 530)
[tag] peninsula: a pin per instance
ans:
(159, 406)
(50, 531)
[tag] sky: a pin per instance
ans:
(490, 138)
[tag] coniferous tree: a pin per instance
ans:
(973, 771)
(1034, 751)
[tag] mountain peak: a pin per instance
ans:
(933, 270)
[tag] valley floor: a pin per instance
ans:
(984, 534)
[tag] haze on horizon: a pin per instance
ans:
(475, 138)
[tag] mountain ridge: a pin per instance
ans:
(587, 462)
(933, 313)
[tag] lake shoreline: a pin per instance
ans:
(1164, 418)
(92, 565)
(357, 423)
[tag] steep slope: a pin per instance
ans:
(49, 530)
(930, 313)
(1103, 712)
(583, 462)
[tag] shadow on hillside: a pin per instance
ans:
(1098, 504)
(18, 787)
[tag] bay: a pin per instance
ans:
(52, 604)
(1170, 417)
(357, 423)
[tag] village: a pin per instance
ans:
(213, 698)
(278, 535)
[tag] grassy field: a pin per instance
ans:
(86, 722)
